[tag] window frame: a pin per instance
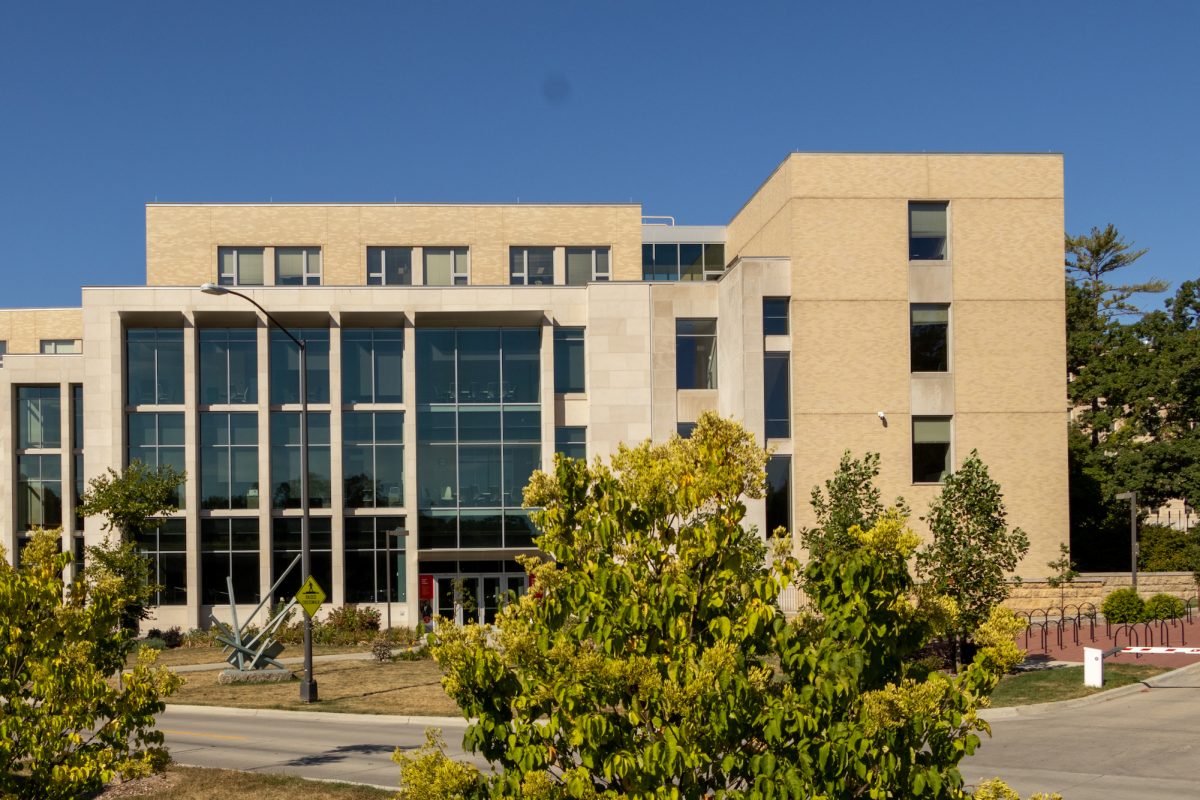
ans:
(521, 277)
(399, 554)
(597, 274)
(945, 208)
(712, 371)
(60, 347)
(154, 555)
(913, 308)
(457, 278)
(564, 343)
(949, 445)
(236, 278)
(772, 303)
(380, 278)
(308, 275)
(783, 426)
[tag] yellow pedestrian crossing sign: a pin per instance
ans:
(310, 596)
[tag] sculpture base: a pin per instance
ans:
(229, 676)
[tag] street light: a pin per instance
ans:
(308, 686)
(1133, 544)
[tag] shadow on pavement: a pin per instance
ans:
(339, 754)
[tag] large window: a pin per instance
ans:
(531, 266)
(285, 460)
(368, 543)
(927, 231)
(775, 316)
(60, 346)
(695, 353)
(389, 266)
(157, 440)
(77, 453)
(166, 549)
(228, 460)
(777, 395)
(478, 435)
(285, 365)
(240, 266)
(571, 442)
(39, 418)
(372, 365)
(373, 458)
(687, 262)
(285, 546)
(930, 338)
(779, 493)
(298, 266)
(229, 548)
(39, 491)
(569, 360)
(446, 266)
(3, 350)
(931, 449)
(228, 366)
(154, 363)
(585, 264)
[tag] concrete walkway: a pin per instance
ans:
(293, 660)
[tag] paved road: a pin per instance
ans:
(1140, 746)
(313, 744)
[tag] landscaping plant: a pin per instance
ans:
(1123, 606)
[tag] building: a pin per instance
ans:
(911, 305)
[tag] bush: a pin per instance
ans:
(173, 637)
(154, 643)
(200, 637)
(1124, 605)
(381, 649)
(1164, 606)
(154, 633)
(1163, 549)
(350, 619)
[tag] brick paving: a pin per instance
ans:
(1176, 633)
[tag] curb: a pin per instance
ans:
(382, 720)
(1042, 709)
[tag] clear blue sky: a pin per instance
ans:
(682, 107)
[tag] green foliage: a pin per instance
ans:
(427, 774)
(381, 649)
(1165, 549)
(67, 726)
(1163, 606)
(353, 620)
(121, 561)
(996, 789)
(651, 658)
(135, 501)
(973, 550)
(850, 498)
(1123, 605)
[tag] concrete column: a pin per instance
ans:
(191, 489)
(336, 592)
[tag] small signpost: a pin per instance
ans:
(310, 596)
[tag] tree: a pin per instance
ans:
(850, 498)
(133, 503)
(651, 659)
(1064, 575)
(972, 551)
(68, 725)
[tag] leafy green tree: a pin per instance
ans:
(651, 660)
(68, 725)
(850, 499)
(1064, 574)
(973, 550)
(133, 503)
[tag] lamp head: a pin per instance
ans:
(212, 288)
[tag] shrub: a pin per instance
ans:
(154, 643)
(173, 637)
(351, 619)
(1124, 605)
(154, 633)
(381, 649)
(1164, 606)
(1163, 549)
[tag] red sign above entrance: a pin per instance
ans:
(425, 587)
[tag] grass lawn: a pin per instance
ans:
(357, 687)
(182, 656)
(1064, 683)
(190, 783)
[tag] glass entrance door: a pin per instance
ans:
(475, 598)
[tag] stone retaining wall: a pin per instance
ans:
(1093, 587)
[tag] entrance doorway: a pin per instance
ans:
(477, 597)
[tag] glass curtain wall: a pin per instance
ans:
(478, 435)
(228, 460)
(285, 546)
(285, 460)
(166, 550)
(229, 547)
(228, 366)
(368, 563)
(154, 360)
(373, 458)
(156, 439)
(285, 366)
(372, 365)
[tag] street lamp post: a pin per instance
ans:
(308, 686)
(1133, 542)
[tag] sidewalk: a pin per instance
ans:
(292, 660)
(1176, 633)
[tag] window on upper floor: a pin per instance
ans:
(154, 366)
(228, 366)
(568, 360)
(685, 429)
(240, 266)
(775, 316)
(929, 338)
(695, 354)
(531, 266)
(60, 346)
(931, 449)
(779, 493)
(285, 460)
(39, 491)
(3, 350)
(389, 266)
(446, 266)
(39, 418)
(571, 441)
(297, 266)
(156, 440)
(586, 264)
(285, 365)
(683, 262)
(228, 460)
(372, 365)
(927, 231)
(373, 459)
(776, 395)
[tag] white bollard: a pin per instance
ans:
(1093, 667)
